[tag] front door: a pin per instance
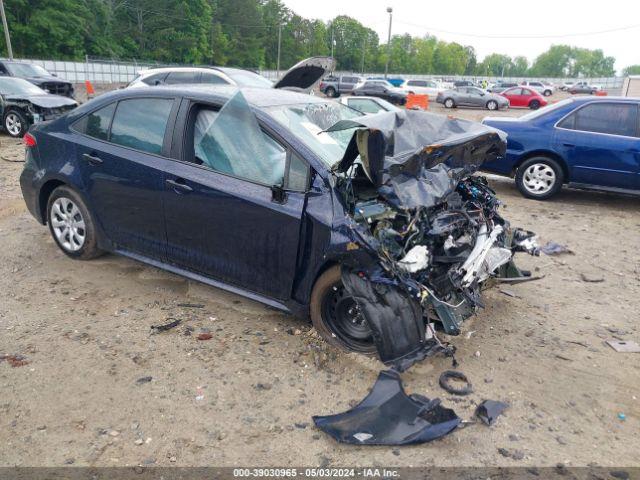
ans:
(600, 142)
(120, 151)
(229, 212)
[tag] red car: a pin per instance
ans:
(524, 97)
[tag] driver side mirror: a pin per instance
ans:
(278, 194)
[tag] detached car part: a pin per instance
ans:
(388, 416)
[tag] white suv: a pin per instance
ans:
(208, 76)
(540, 87)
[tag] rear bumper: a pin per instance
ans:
(30, 187)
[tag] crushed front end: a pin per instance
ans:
(432, 228)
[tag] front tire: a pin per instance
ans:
(449, 103)
(336, 317)
(15, 123)
(547, 93)
(539, 178)
(534, 105)
(71, 225)
(330, 92)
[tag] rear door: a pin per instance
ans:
(121, 151)
(234, 200)
(600, 142)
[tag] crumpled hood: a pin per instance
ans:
(44, 101)
(417, 158)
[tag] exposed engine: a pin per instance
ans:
(431, 226)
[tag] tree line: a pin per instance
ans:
(245, 33)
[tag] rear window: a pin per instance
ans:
(96, 124)
(155, 79)
(141, 123)
(175, 78)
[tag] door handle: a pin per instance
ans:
(570, 145)
(179, 185)
(92, 159)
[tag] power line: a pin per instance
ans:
(516, 36)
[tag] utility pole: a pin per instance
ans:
(386, 66)
(364, 47)
(279, 42)
(332, 41)
(7, 37)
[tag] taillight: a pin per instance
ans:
(29, 140)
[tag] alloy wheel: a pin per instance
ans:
(13, 124)
(67, 224)
(539, 178)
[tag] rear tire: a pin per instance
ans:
(539, 178)
(330, 92)
(547, 93)
(334, 318)
(71, 225)
(492, 105)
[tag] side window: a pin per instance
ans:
(298, 176)
(515, 91)
(156, 79)
(232, 142)
(96, 124)
(182, 77)
(526, 92)
(141, 123)
(3, 70)
(212, 79)
(610, 118)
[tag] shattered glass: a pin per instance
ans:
(232, 142)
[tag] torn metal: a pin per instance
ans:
(388, 416)
(432, 228)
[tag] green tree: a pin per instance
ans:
(631, 70)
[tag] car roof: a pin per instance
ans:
(257, 97)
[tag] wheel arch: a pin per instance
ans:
(543, 153)
(43, 197)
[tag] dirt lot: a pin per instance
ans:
(246, 396)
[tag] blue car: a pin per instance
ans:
(583, 142)
(280, 196)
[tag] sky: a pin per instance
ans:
(513, 28)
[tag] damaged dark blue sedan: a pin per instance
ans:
(374, 226)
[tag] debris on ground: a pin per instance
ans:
(166, 326)
(15, 360)
(553, 248)
(448, 375)
(509, 293)
(388, 416)
(191, 305)
(585, 277)
(489, 411)
(205, 336)
(624, 346)
(143, 380)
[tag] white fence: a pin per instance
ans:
(108, 71)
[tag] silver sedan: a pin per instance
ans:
(472, 97)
